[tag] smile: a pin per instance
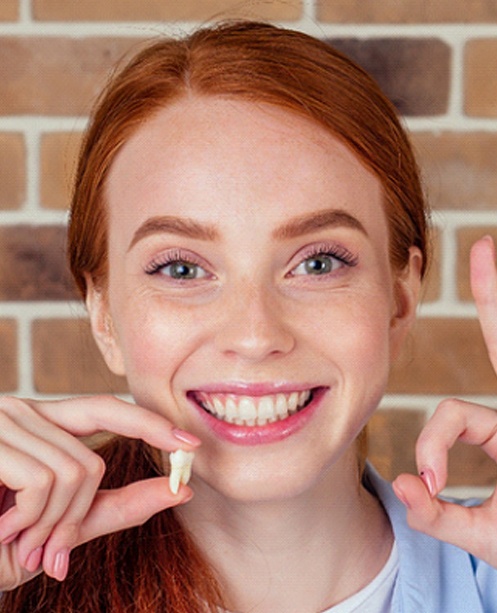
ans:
(242, 410)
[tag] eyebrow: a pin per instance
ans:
(305, 224)
(167, 224)
(319, 220)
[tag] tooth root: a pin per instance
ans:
(186, 474)
(174, 480)
(181, 468)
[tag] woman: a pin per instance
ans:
(249, 233)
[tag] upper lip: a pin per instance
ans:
(254, 389)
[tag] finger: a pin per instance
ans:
(483, 275)
(12, 574)
(129, 506)
(32, 481)
(111, 511)
(64, 470)
(470, 529)
(453, 420)
(74, 474)
(70, 500)
(88, 416)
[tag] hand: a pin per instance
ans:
(49, 496)
(473, 529)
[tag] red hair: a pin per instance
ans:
(156, 567)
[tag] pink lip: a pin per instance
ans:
(255, 389)
(259, 435)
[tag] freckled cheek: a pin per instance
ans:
(156, 343)
(359, 333)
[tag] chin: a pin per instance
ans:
(272, 479)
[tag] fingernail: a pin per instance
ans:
(401, 496)
(429, 480)
(33, 560)
(10, 539)
(186, 437)
(61, 564)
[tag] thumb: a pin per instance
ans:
(442, 520)
(422, 510)
(129, 506)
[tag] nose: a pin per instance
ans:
(252, 324)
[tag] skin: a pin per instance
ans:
(455, 420)
(254, 317)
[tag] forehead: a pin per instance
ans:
(213, 155)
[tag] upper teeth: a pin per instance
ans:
(181, 468)
(252, 411)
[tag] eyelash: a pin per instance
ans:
(175, 257)
(337, 252)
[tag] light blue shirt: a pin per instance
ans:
(434, 577)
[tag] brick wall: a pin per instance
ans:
(437, 61)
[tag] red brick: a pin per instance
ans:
(430, 291)
(392, 435)
(465, 239)
(56, 75)
(8, 355)
(480, 84)
(34, 264)
(470, 466)
(66, 360)
(59, 152)
(143, 10)
(9, 10)
(444, 356)
(413, 72)
(407, 11)
(12, 171)
(460, 169)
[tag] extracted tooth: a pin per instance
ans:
(181, 468)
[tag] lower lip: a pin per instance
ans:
(261, 435)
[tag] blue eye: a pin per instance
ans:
(177, 268)
(324, 260)
(183, 270)
(319, 264)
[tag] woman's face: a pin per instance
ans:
(250, 298)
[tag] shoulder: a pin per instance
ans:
(433, 576)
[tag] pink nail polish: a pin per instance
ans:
(61, 564)
(10, 539)
(401, 496)
(186, 437)
(33, 560)
(429, 480)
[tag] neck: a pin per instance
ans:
(303, 554)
